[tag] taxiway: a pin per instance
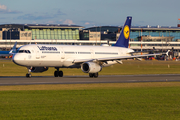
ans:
(21, 80)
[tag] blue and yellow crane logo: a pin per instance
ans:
(126, 32)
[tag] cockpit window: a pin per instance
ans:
(24, 51)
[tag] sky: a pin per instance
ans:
(89, 13)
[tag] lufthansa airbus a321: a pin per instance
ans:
(91, 59)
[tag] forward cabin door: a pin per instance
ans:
(37, 51)
(38, 61)
(62, 55)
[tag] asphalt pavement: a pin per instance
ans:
(21, 80)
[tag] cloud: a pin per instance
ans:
(5, 10)
(87, 23)
(59, 12)
(41, 16)
(34, 22)
(33, 17)
(60, 20)
(51, 22)
(3, 7)
(68, 21)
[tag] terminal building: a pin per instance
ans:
(75, 32)
(39, 31)
(138, 33)
(141, 37)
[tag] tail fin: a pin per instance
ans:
(13, 50)
(123, 40)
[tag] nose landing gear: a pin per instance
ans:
(28, 75)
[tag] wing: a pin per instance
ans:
(76, 61)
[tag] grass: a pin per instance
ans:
(129, 67)
(125, 101)
(115, 101)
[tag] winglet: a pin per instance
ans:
(123, 40)
(167, 53)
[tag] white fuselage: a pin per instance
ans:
(64, 55)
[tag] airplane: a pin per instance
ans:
(91, 59)
(9, 53)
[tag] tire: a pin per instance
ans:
(55, 73)
(60, 73)
(91, 75)
(95, 75)
(28, 75)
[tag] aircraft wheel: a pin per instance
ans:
(95, 75)
(60, 73)
(91, 75)
(55, 73)
(28, 75)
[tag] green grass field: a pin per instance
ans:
(116, 101)
(8, 68)
(122, 101)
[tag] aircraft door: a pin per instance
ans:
(122, 52)
(62, 55)
(92, 54)
(37, 53)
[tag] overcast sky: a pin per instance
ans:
(90, 13)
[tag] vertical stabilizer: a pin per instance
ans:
(13, 50)
(123, 40)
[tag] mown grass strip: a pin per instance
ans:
(129, 67)
(100, 101)
(89, 86)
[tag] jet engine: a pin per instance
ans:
(39, 69)
(90, 67)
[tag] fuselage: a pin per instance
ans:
(63, 55)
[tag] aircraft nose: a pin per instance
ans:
(16, 59)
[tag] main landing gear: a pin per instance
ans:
(95, 75)
(58, 73)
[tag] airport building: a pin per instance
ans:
(75, 32)
(39, 31)
(141, 37)
(138, 33)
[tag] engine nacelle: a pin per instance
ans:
(90, 67)
(39, 69)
